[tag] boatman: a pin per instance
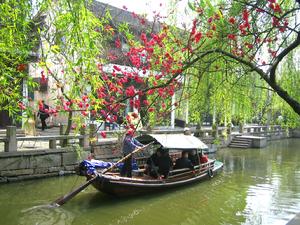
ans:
(183, 162)
(129, 145)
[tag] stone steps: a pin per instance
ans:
(240, 142)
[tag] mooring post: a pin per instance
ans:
(93, 134)
(62, 129)
(52, 143)
(84, 141)
(11, 135)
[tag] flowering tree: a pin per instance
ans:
(73, 57)
(249, 36)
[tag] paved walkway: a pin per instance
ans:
(36, 145)
(295, 220)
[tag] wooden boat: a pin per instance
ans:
(112, 183)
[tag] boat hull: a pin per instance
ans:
(120, 186)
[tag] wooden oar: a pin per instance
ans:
(62, 200)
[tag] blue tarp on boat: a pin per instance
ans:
(92, 165)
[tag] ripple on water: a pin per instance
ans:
(45, 215)
(271, 202)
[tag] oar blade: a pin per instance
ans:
(62, 200)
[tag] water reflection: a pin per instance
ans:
(272, 196)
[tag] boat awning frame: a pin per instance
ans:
(174, 141)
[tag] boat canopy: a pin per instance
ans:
(173, 141)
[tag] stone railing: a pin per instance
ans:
(266, 131)
(11, 139)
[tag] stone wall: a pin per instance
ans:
(22, 165)
(16, 166)
(295, 133)
(107, 149)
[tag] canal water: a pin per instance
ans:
(257, 186)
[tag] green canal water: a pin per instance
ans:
(257, 186)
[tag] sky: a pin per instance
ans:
(149, 6)
(138, 6)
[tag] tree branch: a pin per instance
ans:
(287, 50)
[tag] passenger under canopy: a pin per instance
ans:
(174, 141)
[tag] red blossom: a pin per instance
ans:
(282, 29)
(231, 37)
(135, 115)
(85, 98)
(231, 20)
(138, 80)
(84, 113)
(21, 106)
(248, 45)
(277, 8)
(116, 68)
(130, 132)
(199, 11)
(217, 16)
(103, 134)
(146, 102)
(194, 27)
(271, 6)
(100, 67)
(144, 38)
(66, 108)
(21, 67)
(161, 92)
(171, 92)
(43, 77)
(118, 43)
(151, 92)
(128, 118)
(246, 15)
(130, 91)
(151, 109)
(214, 27)
(275, 22)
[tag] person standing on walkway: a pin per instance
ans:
(129, 145)
(43, 113)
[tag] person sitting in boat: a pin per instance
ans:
(183, 162)
(203, 158)
(194, 157)
(129, 145)
(159, 164)
(151, 167)
(164, 163)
